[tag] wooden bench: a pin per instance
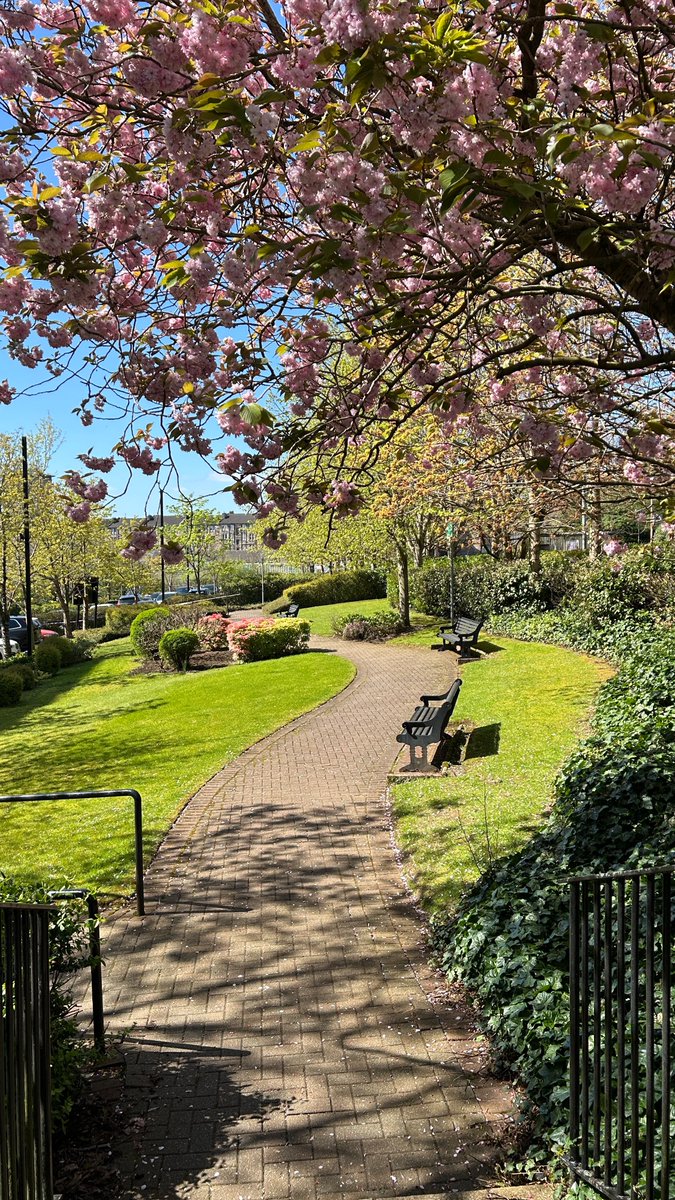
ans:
(464, 632)
(291, 611)
(428, 724)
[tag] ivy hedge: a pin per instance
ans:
(613, 810)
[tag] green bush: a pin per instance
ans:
(21, 666)
(68, 952)
(482, 585)
(253, 641)
(11, 687)
(176, 647)
(72, 650)
(47, 658)
(147, 628)
(119, 618)
(355, 627)
(613, 811)
(332, 589)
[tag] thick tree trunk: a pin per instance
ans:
(403, 583)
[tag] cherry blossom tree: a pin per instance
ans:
(208, 209)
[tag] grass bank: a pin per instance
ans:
(321, 617)
(97, 726)
(529, 703)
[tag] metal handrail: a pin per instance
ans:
(111, 794)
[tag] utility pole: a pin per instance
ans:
(161, 541)
(26, 545)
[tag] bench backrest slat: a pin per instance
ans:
(466, 625)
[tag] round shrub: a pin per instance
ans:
(147, 628)
(11, 687)
(22, 667)
(47, 658)
(177, 645)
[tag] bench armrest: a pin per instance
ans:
(427, 699)
(443, 628)
(411, 726)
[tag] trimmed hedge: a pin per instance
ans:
(333, 589)
(22, 666)
(613, 811)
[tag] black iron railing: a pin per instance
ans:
(621, 1052)
(25, 1086)
(34, 797)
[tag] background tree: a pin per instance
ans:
(195, 533)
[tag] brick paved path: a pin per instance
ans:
(275, 1000)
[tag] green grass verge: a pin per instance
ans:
(529, 703)
(96, 726)
(322, 616)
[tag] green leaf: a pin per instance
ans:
(561, 144)
(309, 141)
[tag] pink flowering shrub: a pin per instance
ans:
(252, 641)
(212, 630)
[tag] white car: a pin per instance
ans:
(13, 647)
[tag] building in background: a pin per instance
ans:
(234, 533)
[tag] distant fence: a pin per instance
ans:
(621, 1029)
(25, 1084)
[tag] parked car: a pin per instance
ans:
(130, 598)
(14, 647)
(18, 630)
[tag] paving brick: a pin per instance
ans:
(276, 1000)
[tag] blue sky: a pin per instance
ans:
(26, 412)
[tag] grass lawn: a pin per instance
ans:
(322, 616)
(530, 703)
(96, 726)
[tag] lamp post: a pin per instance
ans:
(26, 545)
(161, 541)
(450, 533)
(262, 577)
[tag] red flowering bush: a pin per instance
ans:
(213, 630)
(252, 641)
